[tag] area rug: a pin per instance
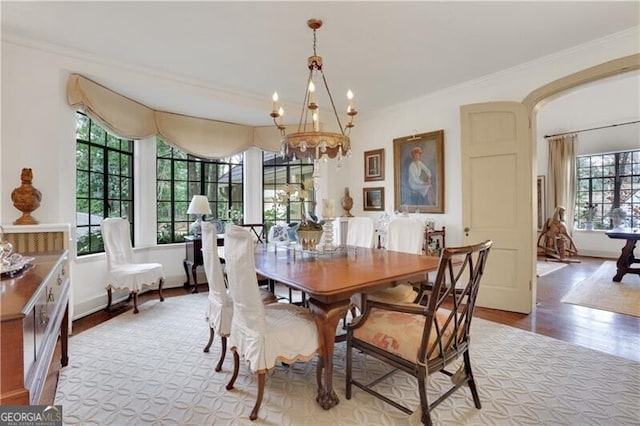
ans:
(150, 369)
(599, 291)
(543, 267)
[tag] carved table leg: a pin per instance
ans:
(327, 318)
(625, 260)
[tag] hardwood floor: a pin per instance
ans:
(616, 334)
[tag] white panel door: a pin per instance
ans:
(497, 184)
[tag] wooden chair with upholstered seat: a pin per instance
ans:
(122, 272)
(262, 334)
(422, 340)
(220, 308)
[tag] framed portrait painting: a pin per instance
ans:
(374, 165)
(373, 199)
(418, 163)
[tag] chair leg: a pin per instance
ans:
(223, 352)
(211, 334)
(261, 380)
(470, 381)
(109, 298)
(424, 402)
(236, 368)
(135, 301)
(348, 367)
(160, 289)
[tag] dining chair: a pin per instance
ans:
(262, 334)
(423, 340)
(220, 308)
(360, 232)
(122, 272)
(404, 234)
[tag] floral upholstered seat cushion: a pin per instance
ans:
(397, 332)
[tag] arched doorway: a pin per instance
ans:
(498, 143)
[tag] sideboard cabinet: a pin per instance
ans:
(34, 312)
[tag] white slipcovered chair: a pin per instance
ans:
(262, 334)
(122, 272)
(404, 234)
(360, 232)
(220, 308)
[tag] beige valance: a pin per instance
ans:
(198, 136)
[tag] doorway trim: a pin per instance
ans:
(544, 94)
(548, 92)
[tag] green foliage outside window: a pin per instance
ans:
(605, 182)
(104, 182)
(180, 176)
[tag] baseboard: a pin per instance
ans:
(98, 303)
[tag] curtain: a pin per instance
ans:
(201, 137)
(562, 175)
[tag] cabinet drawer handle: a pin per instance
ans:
(50, 296)
(59, 281)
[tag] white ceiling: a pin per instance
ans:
(235, 54)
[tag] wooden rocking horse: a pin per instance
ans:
(554, 240)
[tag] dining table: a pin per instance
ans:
(329, 279)
(626, 260)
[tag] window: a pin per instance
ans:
(607, 181)
(278, 172)
(180, 176)
(104, 182)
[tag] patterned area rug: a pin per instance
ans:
(543, 268)
(150, 369)
(599, 291)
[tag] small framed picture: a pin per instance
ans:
(374, 165)
(373, 199)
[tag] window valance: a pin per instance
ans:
(128, 118)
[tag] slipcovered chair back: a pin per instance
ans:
(405, 234)
(360, 232)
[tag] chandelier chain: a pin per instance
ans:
(335, 111)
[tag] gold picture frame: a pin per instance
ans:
(374, 165)
(373, 199)
(418, 162)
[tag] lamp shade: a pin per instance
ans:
(199, 205)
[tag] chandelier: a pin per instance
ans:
(309, 140)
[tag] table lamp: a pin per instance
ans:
(198, 207)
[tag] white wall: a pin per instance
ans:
(441, 111)
(38, 131)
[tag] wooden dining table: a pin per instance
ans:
(329, 280)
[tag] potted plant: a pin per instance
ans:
(589, 214)
(617, 216)
(310, 228)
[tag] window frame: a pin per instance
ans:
(195, 182)
(109, 203)
(601, 180)
(295, 173)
